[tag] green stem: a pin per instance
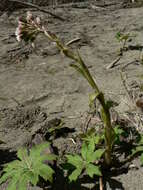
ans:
(105, 112)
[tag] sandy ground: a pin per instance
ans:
(43, 76)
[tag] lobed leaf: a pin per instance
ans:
(75, 174)
(6, 176)
(12, 165)
(22, 153)
(12, 185)
(97, 154)
(38, 149)
(33, 177)
(93, 170)
(23, 182)
(84, 150)
(46, 172)
(75, 160)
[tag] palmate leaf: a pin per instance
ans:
(75, 174)
(75, 160)
(92, 170)
(28, 168)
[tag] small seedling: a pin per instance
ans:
(85, 162)
(118, 132)
(28, 168)
(91, 135)
(123, 38)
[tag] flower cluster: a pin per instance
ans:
(28, 28)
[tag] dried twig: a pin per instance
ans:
(37, 7)
(112, 64)
(101, 183)
(132, 62)
(73, 41)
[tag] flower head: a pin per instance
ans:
(28, 28)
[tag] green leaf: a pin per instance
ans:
(118, 130)
(50, 157)
(87, 150)
(84, 150)
(141, 158)
(5, 176)
(141, 140)
(46, 172)
(22, 153)
(28, 168)
(92, 98)
(56, 127)
(75, 160)
(91, 145)
(97, 155)
(12, 165)
(43, 158)
(90, 134)
(75, 174)
(77, 68)
(118, 35)
(12, 184)
(23, 182)
(38, 149)
(93, 170)
(33, 177)
(97, 138)
(137, 149)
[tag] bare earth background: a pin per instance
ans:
(42, 77)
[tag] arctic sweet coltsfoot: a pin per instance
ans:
(28, 29)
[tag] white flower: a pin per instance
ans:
(18, 38)
(38, 20)
(18, 34)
